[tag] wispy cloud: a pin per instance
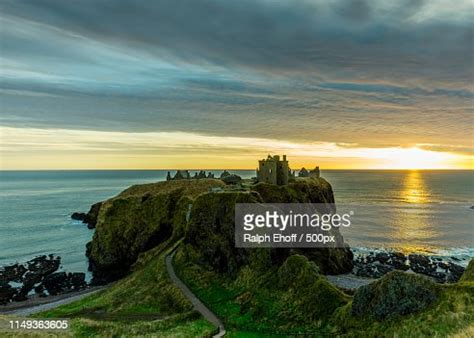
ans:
(371, 73)
(66, 149)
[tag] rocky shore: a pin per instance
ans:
(38, 276)
(375, 264)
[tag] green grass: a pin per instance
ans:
(187, 325)
(254, 306)
(146, 303)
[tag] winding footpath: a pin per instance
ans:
(29, 308)
(198, 305)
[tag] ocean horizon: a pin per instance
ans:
(401, 209)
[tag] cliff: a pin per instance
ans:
(255, 292)
(139, 219)
(202, 213)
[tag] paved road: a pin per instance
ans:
(26, 311)
(198, 305)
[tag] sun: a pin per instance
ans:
(414, 158)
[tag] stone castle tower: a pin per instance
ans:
(273, 170)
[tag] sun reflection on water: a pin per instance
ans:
(413, 227)
(414, 188)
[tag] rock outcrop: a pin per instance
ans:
(18, 280)
(137, 220)
(211, 228)
(201, 211)
(377, 264)
(89, 218)
(397, 293)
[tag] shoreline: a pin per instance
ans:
(37, 304)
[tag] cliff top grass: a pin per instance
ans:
(191, 188)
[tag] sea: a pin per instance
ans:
(407, 210)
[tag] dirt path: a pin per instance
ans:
(36, 305)
(349, 281)
(198, 305)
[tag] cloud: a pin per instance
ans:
(62, 148)
(371, 73)
(355, 37)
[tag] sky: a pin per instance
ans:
(115, 84)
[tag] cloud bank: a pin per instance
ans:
(371, 73)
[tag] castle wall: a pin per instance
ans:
(267, 171)
(282, 173)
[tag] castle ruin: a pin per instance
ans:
(273, 170)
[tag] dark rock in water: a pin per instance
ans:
(382, 269)
(365, 271)
(78, 280)
(39, 290)
(397, 293)
(416, 259)
(79, 216)
(39, 274)
(56, 283)
(6, 293)
(89, 218)
(421, 264)
(382, 257)
(12, 273)
(44, 265)
(443, 265)
(456, 271)
(375, 270)
(398, 261)
(376, 265)
(38, 268)
(60, 282)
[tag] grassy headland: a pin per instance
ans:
(255, 292)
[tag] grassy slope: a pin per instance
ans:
(257, 304)
(134, 305)
(451, 315)
(144, 303)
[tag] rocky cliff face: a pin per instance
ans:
(144, 216)
(137, 220)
